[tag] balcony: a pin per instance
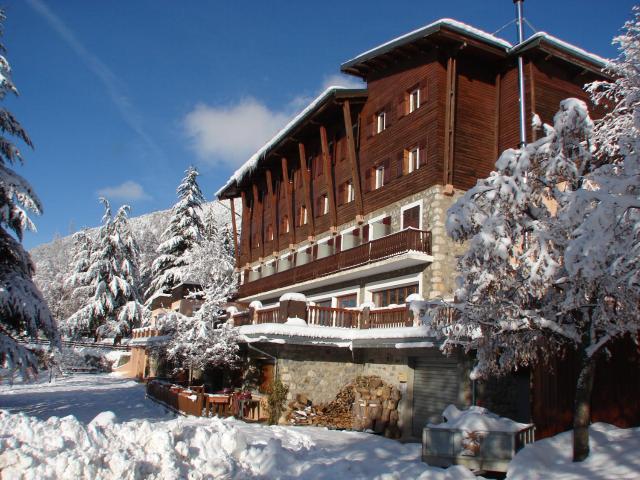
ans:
(404, 243)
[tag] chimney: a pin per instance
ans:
(523, 118)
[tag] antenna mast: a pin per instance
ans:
(523, 119)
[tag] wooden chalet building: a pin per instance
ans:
(347, 205)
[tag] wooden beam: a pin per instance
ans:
(306, 184)
(273, 202)
(260, 214)
(450, 121)
(288, 197)
(235, 231)
(353, 159)
(247, 216)
(328, 176)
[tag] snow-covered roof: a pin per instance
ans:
(400, 337)
(426, 31)
(562, 45)
(252, 163)
(459, 27)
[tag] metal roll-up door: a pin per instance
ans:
(435, 385)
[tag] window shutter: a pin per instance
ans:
(423, 92)
(388, 115)
(402, 108)
(400, 164)
(423, 153)
(367, 180)
(338, 243)
(370, 126)
(387, 171)
(314, 252)
(341, 193)
(365, 233)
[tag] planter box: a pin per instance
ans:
(480, 450)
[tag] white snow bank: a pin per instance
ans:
(256, 304)
(63, 448)
(614, 454)
(476, 419)
(293, 296)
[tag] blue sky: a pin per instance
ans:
(120, 97)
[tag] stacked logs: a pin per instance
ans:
(375, 407)
(366, 404)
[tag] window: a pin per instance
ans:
(379, 177)
(269, 233)
(347, 301)
(302, 216)
(350, 192)
(285, 224)
(325, 204)
(380, 121)
(396, 295)
(414, 100)
(413, 160)
(411, 217)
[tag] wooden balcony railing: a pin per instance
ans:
(390, 318)
(268, 315)
(379, 249)
(333, 317)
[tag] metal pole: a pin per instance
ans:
(523, 115)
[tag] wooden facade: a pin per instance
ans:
(437, 110)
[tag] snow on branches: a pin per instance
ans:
(554, 240)
(111, 271)
(22, 308)
(185, 229)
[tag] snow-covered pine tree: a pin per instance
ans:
(554, 238)
(22, 308)
(198, 342)
(211, 264)
(185, 229)
(115, 307)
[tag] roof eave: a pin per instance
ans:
(232, 191)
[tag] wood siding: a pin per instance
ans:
(483, 96)
(422, 128)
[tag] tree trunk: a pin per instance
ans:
(582, 408)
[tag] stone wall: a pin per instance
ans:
(321, 372)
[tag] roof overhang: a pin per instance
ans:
(326, 99)
(443, 30)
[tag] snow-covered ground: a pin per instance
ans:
(83, 396)
(155, 445)
(614, 455)
(116, 433)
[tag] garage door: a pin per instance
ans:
(435, 386)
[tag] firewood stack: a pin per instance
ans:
(367, 403)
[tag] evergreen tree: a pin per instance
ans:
(115, 307)
(185, 229)
(22, 308)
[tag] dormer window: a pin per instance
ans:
(381, 121)
(414, 100)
